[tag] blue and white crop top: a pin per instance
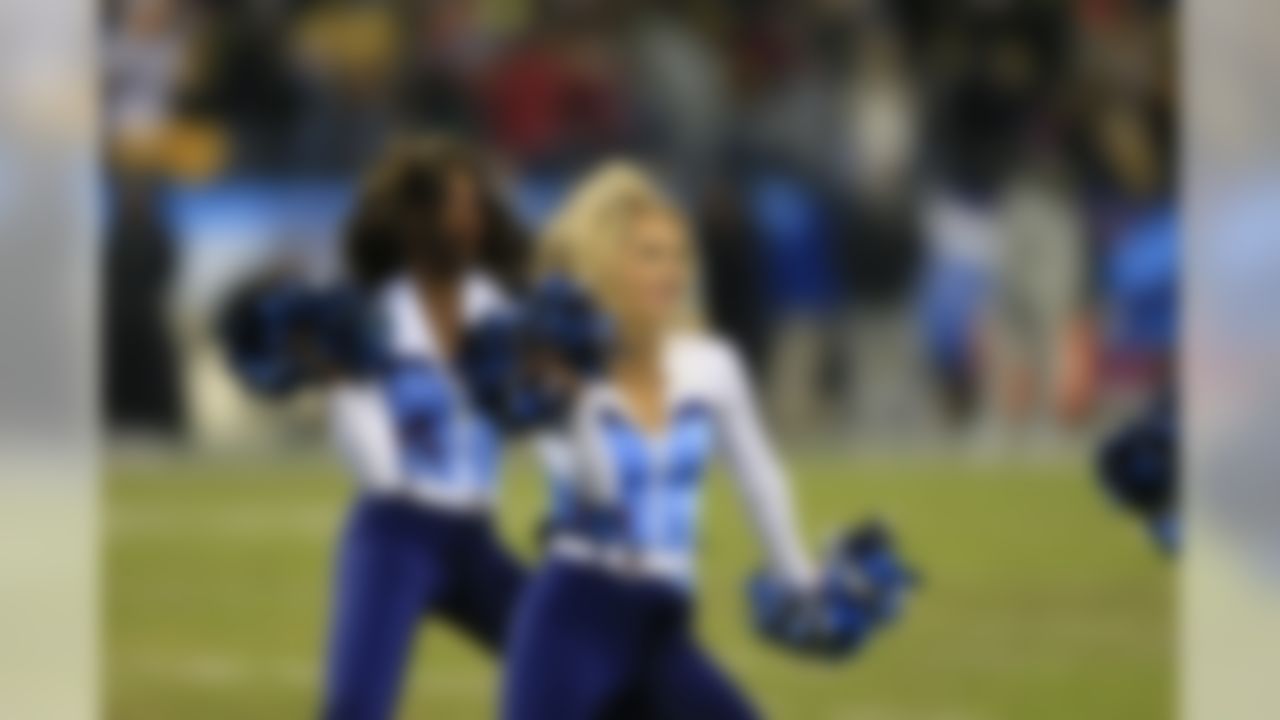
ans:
(412, 432)
(652, 481)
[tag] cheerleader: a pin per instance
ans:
(604, 629)
(431, 247)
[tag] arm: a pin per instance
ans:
(759, 477)
(364, 435)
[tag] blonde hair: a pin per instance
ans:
(584, 236)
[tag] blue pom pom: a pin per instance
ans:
(864, 586)
(501, 358)
(1138, 469)
(279, 335)
(562, 318)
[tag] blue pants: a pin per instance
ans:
(396, 564)
(590, 646)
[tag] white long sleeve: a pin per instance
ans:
(760, 478)
(365, 435)
(377, 424)
(604, 458)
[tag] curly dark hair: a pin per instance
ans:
(397, 216)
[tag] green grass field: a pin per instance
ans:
(1040, 602)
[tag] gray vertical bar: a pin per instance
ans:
(1231, 577)
(48, 513)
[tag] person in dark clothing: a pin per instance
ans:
(733, 279)
(882, 254)
(142, 381)
(884, 251)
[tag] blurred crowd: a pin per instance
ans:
(920, 219)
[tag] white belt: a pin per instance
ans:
(624, 561)
(451, 499)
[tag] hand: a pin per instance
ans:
(864, 563)
(524, 369)
(562, 321)
(280, 335)
(863, 587)
(822, 622)
(506, 380)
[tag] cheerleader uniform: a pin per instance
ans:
(604, 628)
(419, 540)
